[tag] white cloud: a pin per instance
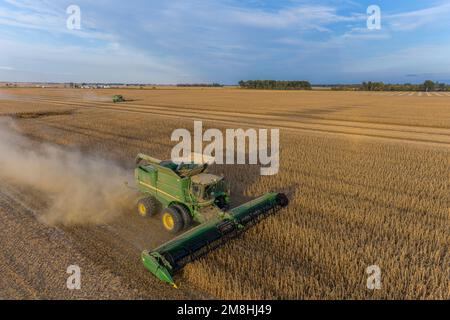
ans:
(315, 17)
(202, 40)
(44, 62)
(418, 59)
(408, 21)
(366, 34)
(45, 16)
(105, 58)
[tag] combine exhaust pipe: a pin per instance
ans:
(172, 256)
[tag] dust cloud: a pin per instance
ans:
(7, 96)
(91, 96)
(81, 189)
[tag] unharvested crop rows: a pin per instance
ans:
(412, 94)
(356, 206)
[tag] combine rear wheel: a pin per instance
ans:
(172, 220)
(148, 207)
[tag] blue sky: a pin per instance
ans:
(180, 41)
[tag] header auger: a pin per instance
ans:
(184, 194)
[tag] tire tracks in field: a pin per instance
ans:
(98, 134)
(251, 115)
(441, 137)
(35, 256)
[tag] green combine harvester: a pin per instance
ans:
(118, 98)
(185, 194)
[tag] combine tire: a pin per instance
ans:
(185, 214)
(172, 220)
(282, 200)
(147, 207)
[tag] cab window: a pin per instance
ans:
(196, 190)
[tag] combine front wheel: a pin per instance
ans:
(185, 214)
(172, 220)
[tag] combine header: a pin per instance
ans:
(187, 194)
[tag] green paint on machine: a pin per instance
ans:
(186, 193)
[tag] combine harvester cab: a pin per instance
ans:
(212, 231)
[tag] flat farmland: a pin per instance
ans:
(367, 175)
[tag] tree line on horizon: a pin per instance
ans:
(275, 85)
(427, 86)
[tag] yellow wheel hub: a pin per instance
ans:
(168, 221)
(142, 210)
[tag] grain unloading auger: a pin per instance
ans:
(186, 193)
